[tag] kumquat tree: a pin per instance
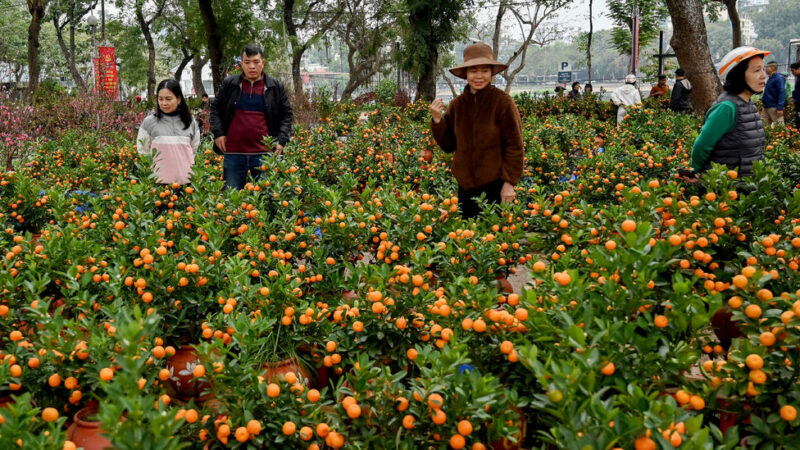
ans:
(616, 296)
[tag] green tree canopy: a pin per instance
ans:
(775, 26)
(652, 14)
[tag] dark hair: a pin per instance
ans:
(588, 85)
(183, 109)
(795, 65)
(252, 50)
(205, 95)
(559, 89)
(662, 77)
(576, 83)
(735, 82)
(680, 72)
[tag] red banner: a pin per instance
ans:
(98, 80)
(108, 71)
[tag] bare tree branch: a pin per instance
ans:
(532, 22)
(449, 82)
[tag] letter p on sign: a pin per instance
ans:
(565, 66)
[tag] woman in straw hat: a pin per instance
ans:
(483, 127)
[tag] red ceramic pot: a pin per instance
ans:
(427, 155)
(508, 444)
(274, 371)
(5, 400)
(504, 284)
(87, 433)
(181, 368)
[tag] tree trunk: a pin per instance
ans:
(291, 30)
(37, 10)
(297, 79)
(449, 82)
(426, 86)
(690, 43)
(214, 42)
(69, 53)
(197, 74)
(151, 51)
(298, 47)
(498, 27)
(429, 58)
(184, 62)
(736, 23)
(589, 45)
(359, 73)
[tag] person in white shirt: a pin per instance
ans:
(626, 96)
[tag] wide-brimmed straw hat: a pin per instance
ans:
(478, 55)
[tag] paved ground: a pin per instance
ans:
(520, 279)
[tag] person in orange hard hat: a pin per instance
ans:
(733, 133)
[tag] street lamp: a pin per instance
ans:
(92, 22)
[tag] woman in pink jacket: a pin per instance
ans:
(172, 134)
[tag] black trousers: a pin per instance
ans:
(466, 198)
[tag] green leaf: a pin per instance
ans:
(576, 334)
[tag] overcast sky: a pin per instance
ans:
(578, 15)
(575, 19)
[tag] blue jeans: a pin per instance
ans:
(236, 167)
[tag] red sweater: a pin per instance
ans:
(249, 126)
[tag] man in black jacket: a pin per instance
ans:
(248, 108)
(679, 102)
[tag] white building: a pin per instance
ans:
(187, 80)
(753, 4)
(748, 31)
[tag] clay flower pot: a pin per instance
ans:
(87, 433)
(504, 284)
(274, 371)
(427, 155)
(5, 400)
(508, 444)
(181, 369)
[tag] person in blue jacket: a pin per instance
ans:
(774, 96)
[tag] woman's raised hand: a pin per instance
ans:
(437, 110)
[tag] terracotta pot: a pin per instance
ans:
(182, 380)
(5, 400)
(504, 284)
(725, 328)
(321, 378)
(728, 419)
(86, 433)
(274, 370)
(507, 444)
(427, 155)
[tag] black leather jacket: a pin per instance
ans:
(278, 108)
